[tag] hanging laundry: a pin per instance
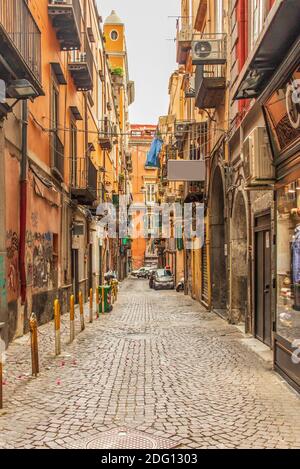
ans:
(153, 155)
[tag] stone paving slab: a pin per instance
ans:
(158, 364)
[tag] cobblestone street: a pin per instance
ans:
(160, 364)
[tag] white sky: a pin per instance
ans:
(152, 57)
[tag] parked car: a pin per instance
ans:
(144, 273)
(151, 277)
(163, 279)
(141, 273)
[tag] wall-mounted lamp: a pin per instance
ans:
(21, 89)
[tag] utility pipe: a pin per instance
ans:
(23, 202)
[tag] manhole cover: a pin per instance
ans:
(122, 438)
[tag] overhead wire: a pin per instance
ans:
(129, 134)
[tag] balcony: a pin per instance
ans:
(210, 86)
(184, 43)
(106, 135)
(20, 44)
(81, 67)
(66, 20)
(84, 181)
(58, 158)
(164, 174)
(129, 166)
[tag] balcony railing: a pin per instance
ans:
(20, 43)
(84, 177)
(210, 86)
(81, 66)
(58, 159)
(199, 143)
(66, 19)
(106, 134)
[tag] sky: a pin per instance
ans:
(151, 52)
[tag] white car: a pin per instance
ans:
(143, 272)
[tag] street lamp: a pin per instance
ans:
(21, 89)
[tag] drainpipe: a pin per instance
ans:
(242, 51)
(23, 202)
(3, 298)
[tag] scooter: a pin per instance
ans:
(180, 286)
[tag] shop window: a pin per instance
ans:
(288, 261)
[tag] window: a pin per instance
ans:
(288, 261)
(55, 107)
(219, 16)
(257, 16)
(150, 193)
(73, 154)
(114, 35)
(100, 99)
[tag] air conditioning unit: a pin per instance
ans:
(257, 158)
(209, 51)
(181, 128)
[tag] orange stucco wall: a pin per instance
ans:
(140, 176)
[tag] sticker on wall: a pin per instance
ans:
(267, 240)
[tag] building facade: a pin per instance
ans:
(233, 103)
(144, 194)
(60, 154)
(275, 91)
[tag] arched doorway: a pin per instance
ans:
(218, 241)
(239, 267)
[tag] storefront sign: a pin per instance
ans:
(283, 113)
(293, 103)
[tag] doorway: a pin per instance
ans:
(218, 246)
(262, 279)
(239, 261)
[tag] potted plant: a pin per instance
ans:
(117, 74)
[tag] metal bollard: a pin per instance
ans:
(91, 305)
(1, 383)
(34, 345)
(102, 300)
(81, 311)
(112, 293)
(97, 303)
(57, 327)
(72, 319)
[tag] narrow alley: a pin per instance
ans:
(159, 365)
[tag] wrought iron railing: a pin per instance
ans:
(84, 55)
(84, 174)
(21, 28)
(76, 8)
(106, 130)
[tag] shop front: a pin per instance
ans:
(283, 119)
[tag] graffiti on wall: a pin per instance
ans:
(12, 252)
(41, 269)
(2, 283)
(40, 266)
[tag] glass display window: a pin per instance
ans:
(288, 261)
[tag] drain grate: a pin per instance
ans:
(122, 438)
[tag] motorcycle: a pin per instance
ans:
(180, 286)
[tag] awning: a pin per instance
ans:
(281, 29)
